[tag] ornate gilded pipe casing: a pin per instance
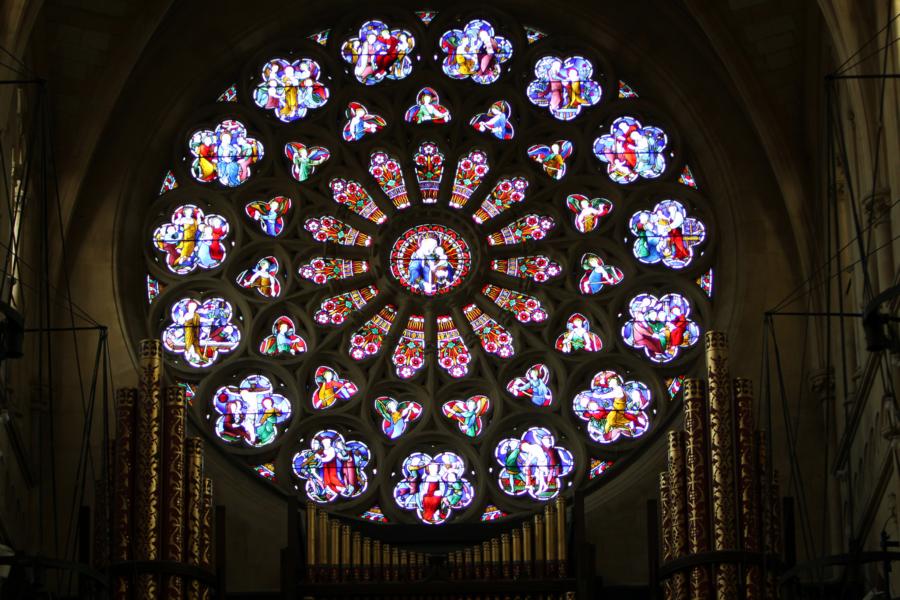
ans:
(696, 484)
(193, 509)
(527, 550)
(665, 521)
(124, 487)
(748, 488)
(506, 555)
(206, 533)
(148, 475)
(677, 503)
(173, 485)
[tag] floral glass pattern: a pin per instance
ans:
(368, 339)
(507, 192)
(536, 268)
(387, 172)
(452, 353)
(564, 86)
(192, 239)
(250, 412)
(533, 464)
(429, 165)
(524, 229)
(321, 269)
(332, 229)
(332, 467)
(224, 154)
(494, 338)
(660, 327)
(631, 150)
(334, 310)
(434, 486)
(474, 52)
(666, 234)
(290, 89)
(409, 355)
(525, 307)
(470, 171)
(201, 330)
(379, 52)
(353, 195)
(613, 408)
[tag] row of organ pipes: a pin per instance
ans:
(719, 492)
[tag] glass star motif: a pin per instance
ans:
(224, 154)
(631, 150)
(290, 89)
(474, 52)
(434, 486)
(379, 52)
(564, 86)
(192, 239)
(250, 412)
(332, 467)
(613, 408)
(660, 327)
(201, 330)
(666, 234)
(533, 464)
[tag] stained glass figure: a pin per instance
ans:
(564, 86)
(320, 269)
(331, 229)
(588, 211)
(360, 123)
(426, 16)
(497, 121)
(453, 355)
(526, 308)
(468, 413)
(434, 487)
(613, 408)
(192, 239)
(379, 52)
(429, 163)
(673, 386)
(430, 259)
(355, 197)
(534, 35)
(626, 91)
(290, 89)
(687, 178)
(524, 229)
(284, 340)
(533, 464)
(332, 467)
(396, 415)
(169, 183)
(598, 467)
(250, 412)
(368, 339)
(387, 172)
(666, 234)
(374, 514)
(409, 355)
(475, 51)
(201, 330)
(190, 391)
(534, 385)
(705, 283)
(660, 326)
(321, 37)
(266, 471)
(335, 309)
(494, 338)
(330, 388)
(470, 171)
(229, 95)
(224, 154)
(578, 336)
(427, 109)
(492, 513)
(154, 288)
(304, 159)
(262, 277)
(552, 158)
(597, 275)
(270, 214)
(536, 268)
(631, 150)
(507, 192)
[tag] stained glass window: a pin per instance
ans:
(470, 252)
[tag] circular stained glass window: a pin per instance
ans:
(430, 267)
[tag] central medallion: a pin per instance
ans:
(430, 259)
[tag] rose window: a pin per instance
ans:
(430, 268)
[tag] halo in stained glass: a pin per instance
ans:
(660, 327)
(379, 52)
(434, 486)
(475, 52)
(333, 468)
(251, 412)
(564, 86)
(290, 89)
(192, 239)
(224, 154)
(533, 464)
(631, 150)
(201, 330)
(613, 408)
(430, 259)
(666, 234)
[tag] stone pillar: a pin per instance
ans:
(881, 261)
(821, 383)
